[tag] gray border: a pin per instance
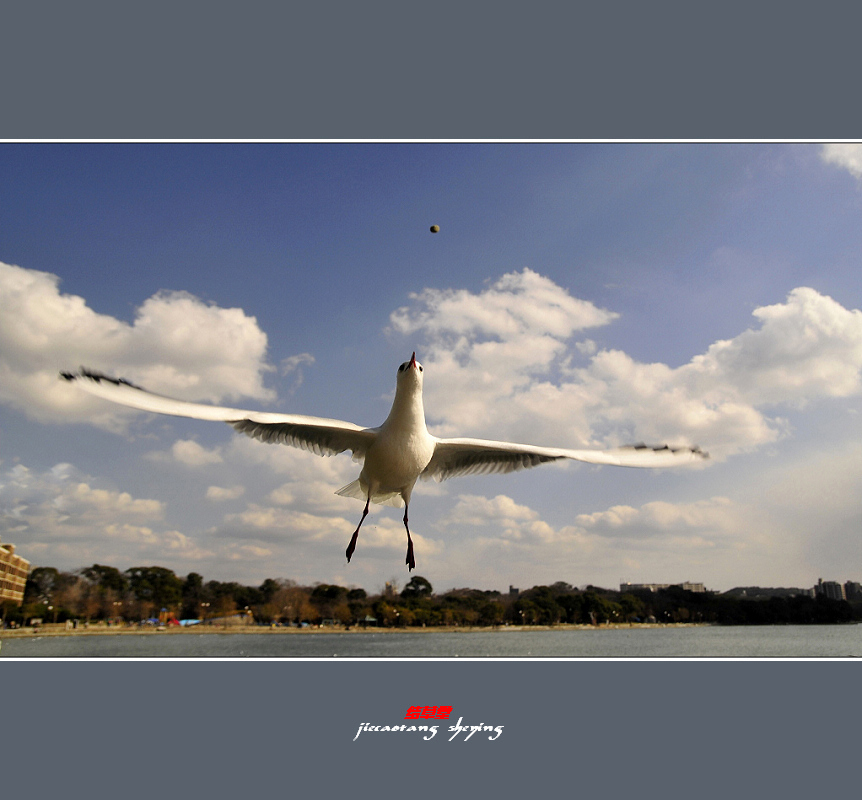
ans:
(593, 728)
(190, 69)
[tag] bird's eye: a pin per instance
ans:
(401, 368)
(421, 370)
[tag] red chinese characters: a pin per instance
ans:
(428, 712)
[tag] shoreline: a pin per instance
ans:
(262, 630)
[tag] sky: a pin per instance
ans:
(576, 295)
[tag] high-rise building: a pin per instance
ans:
(13, 574)
(853, 590)
(831, 589)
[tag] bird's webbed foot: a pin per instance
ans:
(352, 546)
(409, 561)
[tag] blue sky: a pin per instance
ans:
(576, 295)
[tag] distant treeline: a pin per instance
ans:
(104, 593)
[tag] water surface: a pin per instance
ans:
(784, 641)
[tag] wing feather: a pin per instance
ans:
(315, 434)
(454, 457)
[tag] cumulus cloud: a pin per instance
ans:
(177, 344)
(518, 304)
(189, 452)
(220, 494)
(845, 155)
(497, 370)
(715, 515)
(656, 541)
(507, 520)
(310, 481)
(806, 348)
(63, 508)
(63, 518)
(273, 526)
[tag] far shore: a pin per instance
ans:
(97, 629)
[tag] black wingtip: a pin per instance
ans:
(96, 376)
(694, 450)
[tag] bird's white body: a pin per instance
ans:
(401, 450)
(395, 454)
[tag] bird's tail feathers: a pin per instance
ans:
(358, 491)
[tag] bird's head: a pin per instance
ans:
(410, 373)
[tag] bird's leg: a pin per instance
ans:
(352, 546)
(410, 562)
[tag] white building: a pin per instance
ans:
(655, 587)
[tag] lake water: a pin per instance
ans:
(786, 641)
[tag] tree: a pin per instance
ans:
(193, 596)
(417, 587)
(386, 614)
(267, 589)
(328, 598)
(41, 585)
(631, 607)
(106, 578)
(155, 587)
(291, 603)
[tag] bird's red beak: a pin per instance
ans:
(413, 361)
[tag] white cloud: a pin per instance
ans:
(189, 452)
(478, 510)
(845, 155)
(807, 348)
(518, 304)
(658, 541)
(283, 460)
(43, 510)
(496, 371)
(81, 499)
(506, 520)
(177, 345)
(718, 515)
(283, 526)
(220, 494)
(61, 518)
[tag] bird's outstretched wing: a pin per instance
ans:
(454, 457)
(322, 436)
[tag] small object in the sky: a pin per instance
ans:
(435, 229)
(395, 454)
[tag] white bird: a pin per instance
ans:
(395, 454)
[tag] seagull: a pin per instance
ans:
(395, 454)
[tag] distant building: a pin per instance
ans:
(13, 574)
(853, 590)
(656, 587)
(513, 591)
(831, 589)
(764, 592)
